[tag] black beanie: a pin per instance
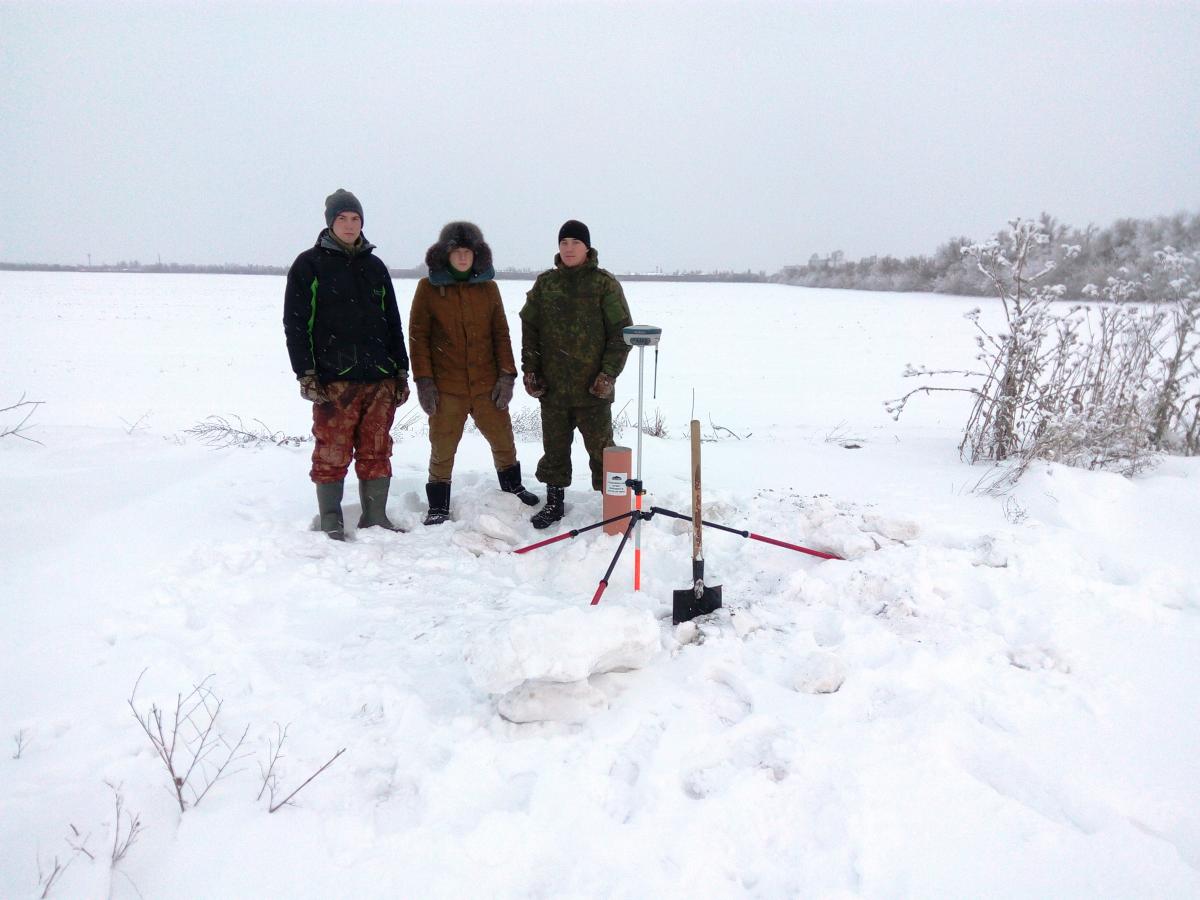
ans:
(573, 228)
(341, 201)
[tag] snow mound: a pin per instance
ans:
(891, 527)
(819, 673)
(494, 528)
(550, 701)
(563, 646)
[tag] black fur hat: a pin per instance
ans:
(459, 234)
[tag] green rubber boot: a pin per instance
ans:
(374, 494)
(329, 505)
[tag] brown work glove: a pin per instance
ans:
(503, 391)
(402, 391)
(603, 386)
(534, 386)
(310, 388)
(427, 395)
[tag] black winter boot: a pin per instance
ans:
(329, 505)
(374, 493)
(552, 511)
(438, 493)
(510, 483)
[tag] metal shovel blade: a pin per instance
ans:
(686, 605)
(697, 600)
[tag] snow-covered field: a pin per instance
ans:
(987, 698)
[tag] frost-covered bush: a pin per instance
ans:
(1177, 407)
(1099, 388)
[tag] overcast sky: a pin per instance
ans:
(698, 135)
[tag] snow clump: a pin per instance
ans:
(563, 646)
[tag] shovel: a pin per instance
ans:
(698, 599)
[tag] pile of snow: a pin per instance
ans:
(541, 662)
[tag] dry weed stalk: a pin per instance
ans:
(220, 432)
(286, 800)
(18, 430)
(186, 739)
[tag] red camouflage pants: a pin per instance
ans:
(355, 424)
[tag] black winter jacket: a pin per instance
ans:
(340, 315)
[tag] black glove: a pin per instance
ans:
(534, 386)
(503, 391)
(310, 388)
(402, 391)
(603, 386)
(427, 395)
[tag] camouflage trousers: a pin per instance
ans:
(446, 430)
(558, 432)
(355, 424)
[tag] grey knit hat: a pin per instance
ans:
(341, 201)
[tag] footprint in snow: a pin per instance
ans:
(764, 753)
(624, 797)
(732, 701)
(1032, 658)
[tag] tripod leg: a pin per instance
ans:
(572, 533)
(612, 565)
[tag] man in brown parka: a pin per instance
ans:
(461, 357)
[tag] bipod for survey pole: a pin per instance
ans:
(746, 534)
(634, 516)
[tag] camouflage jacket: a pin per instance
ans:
(571, 330)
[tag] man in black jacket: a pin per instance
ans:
(346, 345)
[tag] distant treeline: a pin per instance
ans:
(242, 269)
(1128, 243)
(135, 266)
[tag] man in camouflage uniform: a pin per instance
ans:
(571, 353)
(346, 347)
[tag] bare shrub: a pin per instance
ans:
(1176, 412)
(195, 755)
(656, 425)
(715, 431)
(20, 742)
(270, 780)
(49, 873)
(1097, 388)
(138, 424)
(23, 411)
(221, 432)
(623, 420)
(125, 836)
(127, 827)
(841, 435)
(527, 422)
(653, 424)
(411, 424)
